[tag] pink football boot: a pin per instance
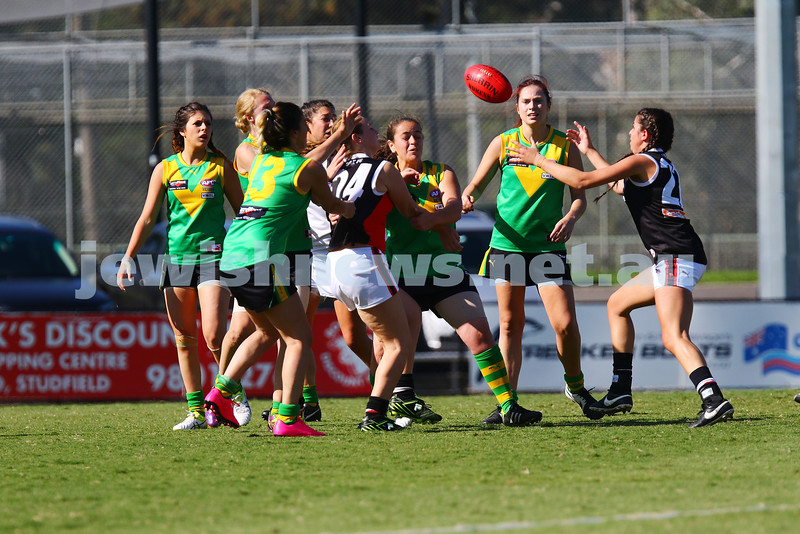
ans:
(221, 407)
(298, 428)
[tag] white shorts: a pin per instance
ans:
(358, 277)
(677, 272)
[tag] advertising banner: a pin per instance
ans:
(132, 356)
(746, 345)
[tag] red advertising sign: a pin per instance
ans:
(131, 356)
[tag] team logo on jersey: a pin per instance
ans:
(435, 194)
(208, 182)
(177, 185)
(673, 213)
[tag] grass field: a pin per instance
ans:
(120, 468)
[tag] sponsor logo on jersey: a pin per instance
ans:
(547, 176)
(673, 213)
(206, 195)
(176, 185)
(248, 213)
(212, 247)
(438, 206)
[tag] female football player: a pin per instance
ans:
(195, 180)
(527, 244)
(651, 188)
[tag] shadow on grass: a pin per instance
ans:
(30, 435)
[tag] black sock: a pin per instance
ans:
(623, 373)
(705, 384)
(377, 407)
(405, 387)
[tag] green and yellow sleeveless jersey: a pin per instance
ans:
(530, 202)
(403, 238)
(273, 204)
(244, 173)
(195, 208)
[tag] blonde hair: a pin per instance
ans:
(246, 105)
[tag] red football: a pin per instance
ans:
(488, 83)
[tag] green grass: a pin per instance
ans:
(714, 276)
(711, 276)
(120, 468)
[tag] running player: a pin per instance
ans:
(194, 181)
(529, 235)
(433, 277)
(650, 185)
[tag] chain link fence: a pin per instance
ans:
(73, 148)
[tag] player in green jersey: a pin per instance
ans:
(249, 105)
(194, 181)
(443, 286)
(281, 184)
(651, 187)
(530, 232)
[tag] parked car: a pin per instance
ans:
(143, 294)
(38, 273)
(475, 232)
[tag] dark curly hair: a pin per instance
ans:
(659, 124)
(182, 117)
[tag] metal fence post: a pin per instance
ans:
(68, 142)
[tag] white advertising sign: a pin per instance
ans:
(746, 344)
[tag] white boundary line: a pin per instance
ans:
(644, 516)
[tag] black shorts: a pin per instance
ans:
(173, 275)
(253, 293)
(526, 268)
(430, 293)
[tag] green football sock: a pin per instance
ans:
(195, 400)
(227, 386)
(494, 372)
(288, 413)
(310, 395)
(276, 405)
(574, 383)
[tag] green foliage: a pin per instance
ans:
(120, 468)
